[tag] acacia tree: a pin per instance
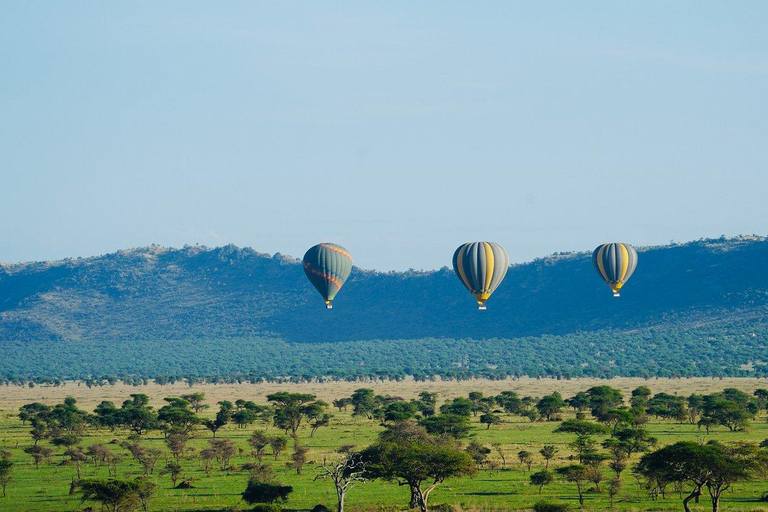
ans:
(6, 466)
(292, 408)
(489, 419)
(177, 415)
(550, 405)
(634, 440)
(577, 474)
(542, 478)
(712, 466)
(196, 401)
(298, 458)
(278, 444)
(500, 451)
(258, 441)
(173, 469)
(223, 450)
(408, 455)
(345, 473)
(526, 459)
(548, 451)
(112, 494)
(177, 443)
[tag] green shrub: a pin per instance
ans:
(550, 506)
(265, 492)
(266, 507)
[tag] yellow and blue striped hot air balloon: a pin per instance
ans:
(481, 267)
(327, 267)
(615, 262)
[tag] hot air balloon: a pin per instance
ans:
(481, 266)
(327, 267)
(615, 263)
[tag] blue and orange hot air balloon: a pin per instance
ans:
(481, 267)
(327, 267)
(615, 263)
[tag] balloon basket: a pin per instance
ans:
(481, 307)
(616, 294)
(329, 306)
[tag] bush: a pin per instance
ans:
(321, 508)
(549, 506)
(265, 492)
(266, 507)
(446, 507)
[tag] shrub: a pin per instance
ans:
(550, 506)
(446, 507)
(265, 492)
(266, 507)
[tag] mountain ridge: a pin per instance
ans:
(194, 291)
(703, 304)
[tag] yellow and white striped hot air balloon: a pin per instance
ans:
(481, 267)
(615, 263)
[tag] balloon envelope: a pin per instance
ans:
(615, 262)
(327, 267)
(481, 267)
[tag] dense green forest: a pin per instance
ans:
(696, 309)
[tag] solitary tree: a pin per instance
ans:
(489, 419)
(500, 451)
(409, 455)
(278, 444)
(526, 458)
(196, 401)
(223, 450)
(259, 440)
(614, 488)
(173, 469)
(113, 495)
(550, 405)
(548, 451)
(577, 474)
(298, 458)
(292, 408)
(177, 443)
(6, 467)
(542, 478)
(712, 466)
(346, 472)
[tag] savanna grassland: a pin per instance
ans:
(496, 486)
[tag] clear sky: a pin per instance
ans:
(397, 129)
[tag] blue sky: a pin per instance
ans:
(397, 129)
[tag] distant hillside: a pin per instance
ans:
(229, 293)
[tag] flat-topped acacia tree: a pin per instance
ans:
(292, 408)
(407, 454)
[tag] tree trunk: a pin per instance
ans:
(340, 496)
(694, 495)
(421, 501)
(414, 502)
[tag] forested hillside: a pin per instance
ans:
(710, 289)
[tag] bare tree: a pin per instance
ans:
(345, 473)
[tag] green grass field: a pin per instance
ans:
(47, 488)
